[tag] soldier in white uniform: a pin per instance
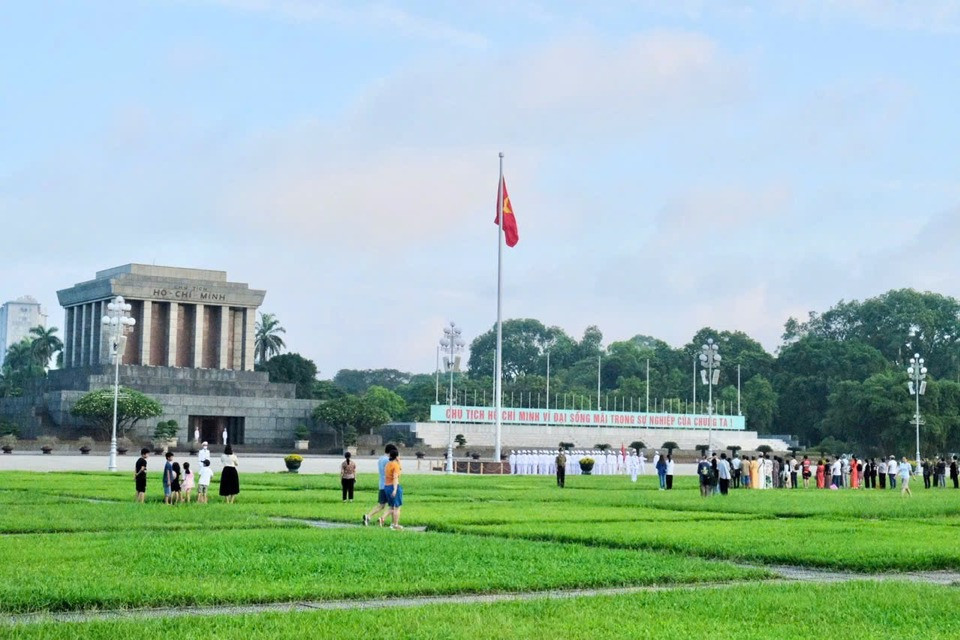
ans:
(642, 460)
(612, 462)
(513, 462)
(633, 465)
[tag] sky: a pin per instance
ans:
(672, 165)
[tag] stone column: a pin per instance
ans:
(198, 337)
(172, 335)
(237, 316)
(224, 338)
(67, 337)
(146, 326)
(249, 338)
(94, 325)
(84, 335)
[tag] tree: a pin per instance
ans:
(44, 345)
(638, 446)
(460, 440)
(359, 380)
(292, 368)
(702, 448)
(326, 390)
(670, 445)
(734, 449)
(602, 446)
(347, 416)
(765, 448)
(759, 403)
(525, 345)
(96, 407)
(387, 401)
(268, 341)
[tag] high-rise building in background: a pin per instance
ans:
(16, 319)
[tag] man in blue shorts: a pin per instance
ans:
(382, 495)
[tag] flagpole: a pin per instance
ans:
(499, 362)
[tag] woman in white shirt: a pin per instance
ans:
(229, 478)
(904, 473)
(669, 472)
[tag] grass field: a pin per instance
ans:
(75, 541)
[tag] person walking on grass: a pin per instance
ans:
(187, 486)
(892, 469)
(661, 465)
(381, 492)
(140, 474)
(168, 478)
(394, 490)
(561, 465)
(229, 478)
(206, 475)
(705, 473)
(348, 477)
(904, 472)
(669, 476)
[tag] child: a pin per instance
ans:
(167, 477)
(206, 475)
(175, 484)
(187, 482)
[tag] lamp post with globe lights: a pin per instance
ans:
(918, 386)
(117, 324)
(710, 375)
(452, 344)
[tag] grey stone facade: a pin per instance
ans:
(192, 350)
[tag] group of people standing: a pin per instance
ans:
(178, 482)
(543, 462)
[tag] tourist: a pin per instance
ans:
(175, 496)
(767, 471)
(836, 474)
(661, 465)
(394, 490)
(855, 473)
(821, 473)
(705, 472)
(348, 477)
(167, 477)
(942, 472)
(381, 493)
(187, 486)
(927, 472)
(561, 464)
(669, 476)
(229, 478)
(844, 471)
(723, 474)
(882, 472)
(206, 475)
(140, 474)
(735, 464)
(904, 471)
(955, 473)
(805, 471)
(794, 467)
(892, 469)
(754, 472)
(715, 474)
(203, 454)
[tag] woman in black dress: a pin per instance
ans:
(229, 479)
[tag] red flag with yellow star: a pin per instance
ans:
(509, 220)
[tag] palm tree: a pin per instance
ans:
(268, 342)
(20, 356)
(44, 344)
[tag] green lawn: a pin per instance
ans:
(747, 612)
(75, 541)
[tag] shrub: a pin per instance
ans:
(8, 428)
(638, 445)
(670, 446)
(124, 443)
(85, 441)
(302, 432)
(460, 440)
(8, 440)
(601, 447)
(566, 445)
(765, 448)
(165, 430)
(47, 441)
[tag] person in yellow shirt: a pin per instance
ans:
(393, 488)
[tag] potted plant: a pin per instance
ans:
(586, 466)
(7, 442)
(302, 433)
(123, 445)
(158, 447)
(420, 455)
(293, 462)
(475, 455)
(166, 432)
(47, 443)
(86, 443)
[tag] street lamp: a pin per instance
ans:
(917, 385)
(451, 343)
(117, 324)
(710, 375)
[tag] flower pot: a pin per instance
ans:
(475, 456)
(85, 450)
(121, 450)
(293, 467)
(7, 449)
(587, 469)
(301, 445)
(46, 450)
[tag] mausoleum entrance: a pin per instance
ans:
(212, 429)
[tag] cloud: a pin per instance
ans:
(361, 15)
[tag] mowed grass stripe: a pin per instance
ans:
(748, 612)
